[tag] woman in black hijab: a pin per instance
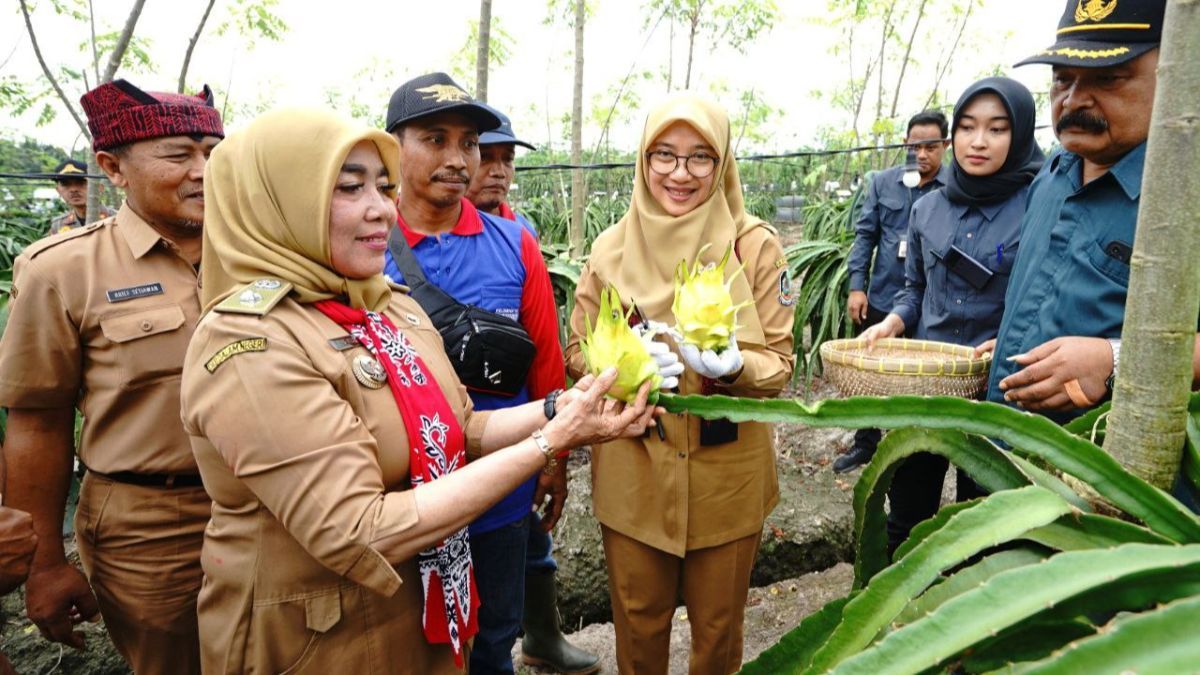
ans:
(962, 242)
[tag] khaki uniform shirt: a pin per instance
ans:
(307, 468)
(678, 495)
(100, 320)
(70, 220)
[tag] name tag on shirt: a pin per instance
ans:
(903, 249)
(343, 343)
(134, 292)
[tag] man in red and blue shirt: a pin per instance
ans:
(489, 262)
(544, 644)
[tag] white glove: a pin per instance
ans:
(669, 367)
(710, 364)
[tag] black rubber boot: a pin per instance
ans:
(544, 644)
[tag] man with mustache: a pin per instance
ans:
(70, 180)
(1058, 349)
(490, 262)
(543, 644)
(100, 320)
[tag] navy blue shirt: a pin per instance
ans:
(882, 225)
(1073, 274)
(940, 303)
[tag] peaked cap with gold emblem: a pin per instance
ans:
(436, 93)
(1101, 33)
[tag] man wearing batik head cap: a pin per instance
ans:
(70, 180)
(99, 321)
(1058, 349)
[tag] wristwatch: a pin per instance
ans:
(1116, 350)
(551, 402)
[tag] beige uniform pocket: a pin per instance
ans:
(148, 343)
(285, 634)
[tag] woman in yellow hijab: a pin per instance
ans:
(329, 427)
(683, 515)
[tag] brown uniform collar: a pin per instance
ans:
(137, 232)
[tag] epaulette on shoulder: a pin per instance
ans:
(398, 287)
(257, 297)
(49, 242)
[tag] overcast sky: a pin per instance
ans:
(334, 46)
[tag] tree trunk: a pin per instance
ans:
(483, 50)
(687, 79)
(1147, 424)
(883, 39)
(671, 56)
(118, 52)
(187, 57)
(575, 235)
(110, 71)
(907, 55)
(945, 67)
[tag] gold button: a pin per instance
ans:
(147, 325)
(682, 456)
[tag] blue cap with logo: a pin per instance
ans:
(503, 133)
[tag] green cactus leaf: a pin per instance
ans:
(1015, 596)
(996, 519)
(795, 651)
(1029, 435)
(968, 578)
(1160, 641)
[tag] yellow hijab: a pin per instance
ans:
(267, 192)
(640, 253)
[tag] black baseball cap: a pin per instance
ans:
(503, 133)
(1102, 33)
(71, 169)
(436, 93)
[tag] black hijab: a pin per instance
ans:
(1024, 156)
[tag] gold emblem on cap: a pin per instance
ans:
(368, 372)
(444, 93)
(70, 168)
(1094, 10)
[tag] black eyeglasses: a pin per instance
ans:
(699, 164)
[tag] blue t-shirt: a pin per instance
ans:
(488, 262)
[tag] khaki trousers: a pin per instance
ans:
(140, 548)
(644, 583)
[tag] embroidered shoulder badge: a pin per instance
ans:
(786, 297)
(258, 344)
(257, 297)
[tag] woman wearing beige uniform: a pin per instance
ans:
(321, 407)
(683, 516)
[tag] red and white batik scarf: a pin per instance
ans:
(436, 447)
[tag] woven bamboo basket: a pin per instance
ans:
(901, 366)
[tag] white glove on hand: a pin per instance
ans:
(710, 364)
(669, 367)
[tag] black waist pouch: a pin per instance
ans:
(491, 353)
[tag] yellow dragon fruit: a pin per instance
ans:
(614, 343)
(704, 311)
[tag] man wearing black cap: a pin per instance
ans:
(70, 179)
(1059, 346)
(543, 644)
(489, 262)
(99, 322)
